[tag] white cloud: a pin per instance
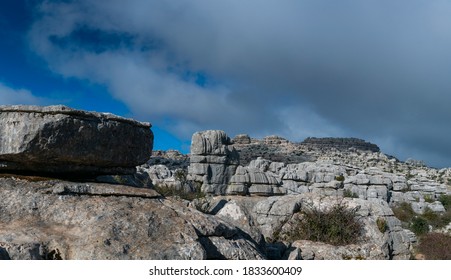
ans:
(10, 96)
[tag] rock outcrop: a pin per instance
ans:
(342, 144)
(58, 139)
(273, 148)
(64, 220)
(213, 160)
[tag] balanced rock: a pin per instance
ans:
(58, 139)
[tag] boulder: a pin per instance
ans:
(58, 139)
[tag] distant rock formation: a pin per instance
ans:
(58, 139)
(272, 148)
(340, 144)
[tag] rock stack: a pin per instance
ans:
(213, 160)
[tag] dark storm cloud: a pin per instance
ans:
(379, 70)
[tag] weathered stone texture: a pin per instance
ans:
(58, 139)
(59, 219)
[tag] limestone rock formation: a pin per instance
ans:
(58, 139)
(53, 219)
(255, 179)
(213, 160)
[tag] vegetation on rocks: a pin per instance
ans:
(187, 189)
(337, 226)
(420, 224)
(435, 246)
(382, 224)
(446, 201)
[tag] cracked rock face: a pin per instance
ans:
(58, 139)
(64, 220)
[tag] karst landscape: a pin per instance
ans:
(86, 185)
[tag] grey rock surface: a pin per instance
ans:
(213, 160)
(65, 220)
(58, 139)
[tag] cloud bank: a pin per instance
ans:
(10, 96)
(378, 70)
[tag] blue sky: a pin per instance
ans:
(377, 70)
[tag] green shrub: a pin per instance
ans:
(429, 198)
(382, 224)
(419, 226)
(433, 218)
(437, 220)
(350, 194)
(404, 212)
(337, 226)
(168, 191)
(446, 201)
(435, 246)
(340, 178)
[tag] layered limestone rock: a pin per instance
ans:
(255, 179)
(64, 220)
(58, 139)
(213, 160)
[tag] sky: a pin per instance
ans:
(379, 70)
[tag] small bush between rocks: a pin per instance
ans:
(419, 226)
(340, 178)
(446, 201)
(350, 194)
(404, 212)
(429, 198)
(435, 246)
(167, 191)
(382, 224)
(337, 226)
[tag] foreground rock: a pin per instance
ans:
(64, 220)
(58, 139)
